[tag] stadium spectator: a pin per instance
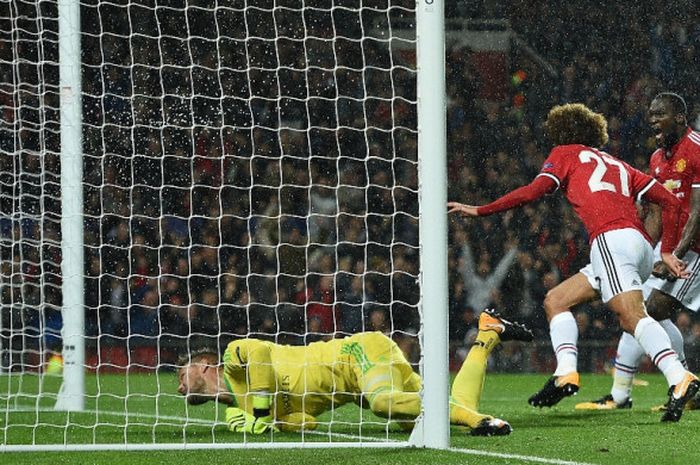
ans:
(158, 151)
(693, 353)
(239, 164)
(463, 324)
(591, 334)
(351, 297)
(479, 279)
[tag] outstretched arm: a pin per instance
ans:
(540, 186)
(652, 221)
(670, 212)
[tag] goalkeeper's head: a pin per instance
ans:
(199, 377)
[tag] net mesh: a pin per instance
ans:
(250, 170)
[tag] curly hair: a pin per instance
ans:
(575, 123)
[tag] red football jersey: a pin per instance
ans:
(680, 173)
(601, 188)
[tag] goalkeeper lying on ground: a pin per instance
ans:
(271, 386)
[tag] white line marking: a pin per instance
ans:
(201, 422)
(198, 421)
(526, 458)
(205, 422)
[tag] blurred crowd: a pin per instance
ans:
(254, 172)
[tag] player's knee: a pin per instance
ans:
(629, 321)
(553, 304)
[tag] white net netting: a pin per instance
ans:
(249, 171)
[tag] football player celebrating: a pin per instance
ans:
(602, 191)
(270, 386)
(676, 165)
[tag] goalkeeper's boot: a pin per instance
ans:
(491, 427)
(507, 330)
(679, 395)
(604, 403)
(555, 389)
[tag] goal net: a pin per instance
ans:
(249, 170)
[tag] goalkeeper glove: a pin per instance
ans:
(240, 421)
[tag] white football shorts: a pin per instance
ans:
(686, 291)
(621, 260)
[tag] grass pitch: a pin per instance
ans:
(142, 409)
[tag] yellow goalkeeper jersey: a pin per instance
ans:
(310, 379)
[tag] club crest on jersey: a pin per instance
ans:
(548, 165)
(680, 165)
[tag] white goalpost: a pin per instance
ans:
(178, 174)
(432, 168)
(72, 392)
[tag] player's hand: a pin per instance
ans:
(464, 210)
(661, 271)
(240, 421)
(675, 265)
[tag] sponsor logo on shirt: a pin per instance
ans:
(357, 352)
(672, 184)
(286, 401)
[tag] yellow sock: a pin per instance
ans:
(469, 382)
(460, 415)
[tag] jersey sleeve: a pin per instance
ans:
(520, 196)
(639, 182)
(551, 178)
(255, 357)
(556, 166)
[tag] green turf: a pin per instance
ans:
(540, 436)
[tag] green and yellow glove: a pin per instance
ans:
(240, 421)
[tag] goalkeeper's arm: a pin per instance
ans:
(254, 357)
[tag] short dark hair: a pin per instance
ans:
(200, 355)
(575, 123)
(676, 101)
